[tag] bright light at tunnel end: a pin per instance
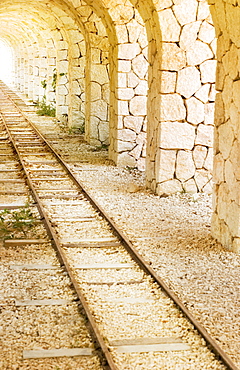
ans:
(6, 63)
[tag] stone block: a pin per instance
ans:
(122, 80)
(142, 88)
(134, 29)
(226, 138)
(166, 165)
(124, 66)
(122, 33)
(199, 155)
(185, 11)
(236, 93)
(96, 91)
(195, 111)
(172, 108)
(203, 93)
(189, 35)
(206, 32)
(173, 58)
(198, 53)
(140, 66)
(185, 168)
(218, 169)
(168, 82)
(208, 164)
(208, 71)
(188, 81)
(203, 10)
(190, 186)
(126, 135)
(125, 146)
(169, 187)
(125, 93)
(138, 106)
(202, 177)
(99, 109)
(128, 51)
(133, 123)
(99, 74)
(124, 159)
(176, 135)
(209, 114)
(123, 108)
(204, 135)
(132, 80)
(169, 26)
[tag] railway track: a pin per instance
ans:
(136, 320)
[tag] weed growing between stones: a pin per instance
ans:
(45, 109)
(17, 222)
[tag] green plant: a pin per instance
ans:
(44, 84)
(19, 221)
(54, 80)
(45, 109)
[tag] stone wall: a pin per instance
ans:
(226, 216)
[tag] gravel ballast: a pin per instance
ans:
(172, 234)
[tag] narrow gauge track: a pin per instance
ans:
(137, 320)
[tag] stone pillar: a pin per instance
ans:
(226, 204)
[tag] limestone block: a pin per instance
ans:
(123, 108)
(142, 88)
(125, 146)
(99, 109)
(188, 81)
(125, 93)
(190, 186)
(219, 110)
(204, 135)
(202, 177)
(141, 138)
(206, 33)
(99, 74)
(62, 66)
(121, 12)
(96, 91)
(185, 168)
(220, 76)
(169, 26)
(209, 113)
(173, 58)
(62, 90)
(212, 94)
(198, 53)
(132, 80)
(134, 29)
(76, 89)
(140, 66)
(128, 51)
(133, 123)
(168, 82)
(199, 155)
(226, 138)
(230, 62)
(62, 54)
(162, 5)
(124, 159)
(203, 93)
(203, 10)
(233, 26)
(195, 111)
(76, 35)
(176, 135)
(126, 135)
(208, 164)
(122, 80)
(169, 187)
(122, 33)
(236, 93)
(185, 11)
(95, 55)
(208, 188)
(141, 164)
(166, 165)
(208, 71)
(138, 106)
(233, 219)
(172, 108)
(236, 245)
(142, 39)
(189, 35)
(218, 169)
(136, 152)
(124, 66)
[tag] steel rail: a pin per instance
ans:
(137, 257)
